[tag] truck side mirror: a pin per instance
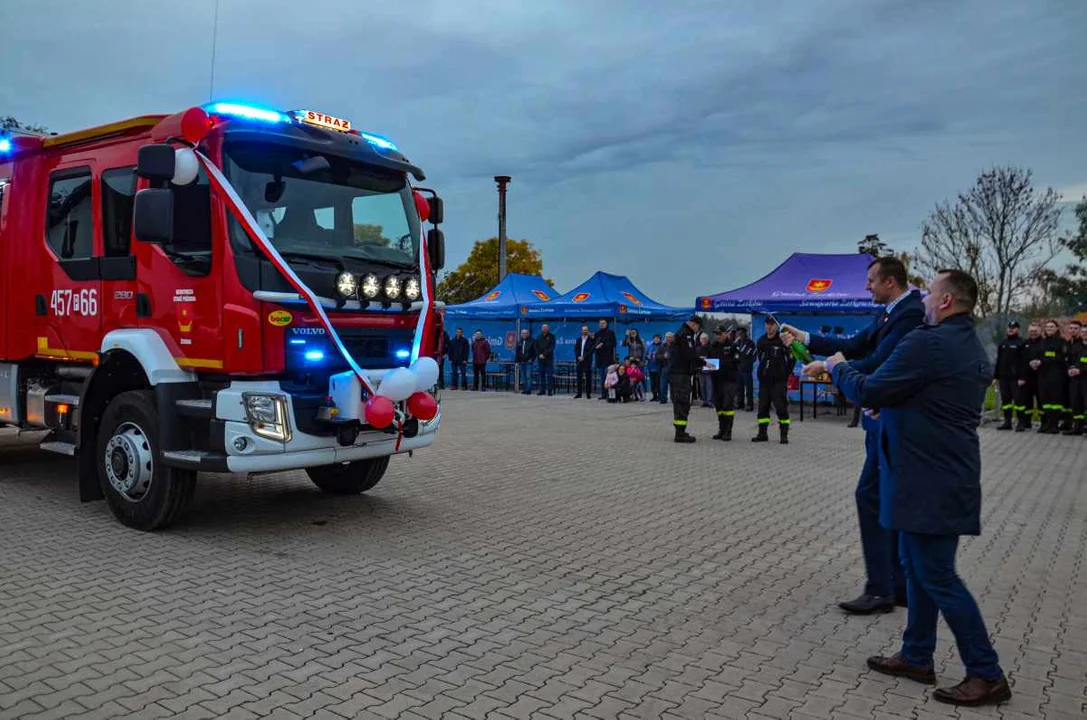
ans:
(153, 217)
(435, 242)
(156, 163)
(437, 210)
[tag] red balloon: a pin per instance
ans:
(379, 411)
(422, 406)
(195, 124)
(422, 206)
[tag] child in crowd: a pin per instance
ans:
(610, 381)
(623, 386)
(637, 378)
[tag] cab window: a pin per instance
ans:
(118, 199)
(69, 222)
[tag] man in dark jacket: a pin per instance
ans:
(1077, 351)
(458, 359)
(1052, 367)
(481, 355)
(604, 353)
(681, 368)
(583, 357)
(1027, 391)
(545, 356)
(723, 350)
(1006, 372)
(930, 393)
(745, 382)
(775, 366)
(866, 351)
(525, 357)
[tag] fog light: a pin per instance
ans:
(267, 415)
(240, 444)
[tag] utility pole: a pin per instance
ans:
(503, 181)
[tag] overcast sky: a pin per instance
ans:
(691, 145)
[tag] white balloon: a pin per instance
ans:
(425, 370)
(186, 166)
(397, 384)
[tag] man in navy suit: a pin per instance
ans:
(866, 351)
(930, 393)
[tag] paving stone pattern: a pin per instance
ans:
(549, 558)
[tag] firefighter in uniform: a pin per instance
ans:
(775, 366)
(1027, 384)
(1006, 372)
(1052, 366)
(1077, 377)
(684, 363)
(725, 378)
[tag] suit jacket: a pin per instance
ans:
(526, 350)
(583, 350)
(869, 348)
(605, 355)
(930, 392)
(458, 349)
(545, 345)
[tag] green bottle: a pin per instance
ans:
(800, 352)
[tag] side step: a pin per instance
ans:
(200, 409)
(199, 460)
(57, 446)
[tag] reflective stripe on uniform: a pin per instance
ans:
(786, 421)
(726, 413)
(764, 421)
(1009, 406)
(679, 423)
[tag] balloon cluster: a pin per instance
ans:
(409, 384)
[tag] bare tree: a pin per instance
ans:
(1000, 231)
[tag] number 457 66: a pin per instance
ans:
(74, 302)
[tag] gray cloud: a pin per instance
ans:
(739, 132)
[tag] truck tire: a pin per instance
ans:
(141, 492)
(349, 478)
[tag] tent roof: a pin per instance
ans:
(507, 298)
(805, 282)
(607, 296)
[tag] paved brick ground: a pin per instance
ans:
(549, 558)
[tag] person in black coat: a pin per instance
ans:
(903, 312)
(458, 359)
(525, 357)
(1006, 372)
(683, 364)
(1052, 367)
(604, 353)
(1027, 385)
(583, 356)
(545, 356)
(930, 392)
(775, 366)
(745, 380)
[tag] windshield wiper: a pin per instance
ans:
(310, 259)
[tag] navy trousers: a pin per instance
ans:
(880, 545)
(933, 589)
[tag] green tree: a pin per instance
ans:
(369, 234)
(1000, 231)
(1068, 290)
(479, 272)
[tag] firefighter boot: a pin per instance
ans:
(1065, 422)
(1076, 429)
(784, 434)
(761, 437)
(1050, 419)
(1024, 422)
(682, 436)
(1007, 421)
(720, 428)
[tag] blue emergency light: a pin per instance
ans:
(249, 112)
(5, 145)
(315, 355)
(403, 354)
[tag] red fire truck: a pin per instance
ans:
(230, 289)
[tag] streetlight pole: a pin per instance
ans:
(503, 181)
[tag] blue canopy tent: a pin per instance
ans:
(603, 297)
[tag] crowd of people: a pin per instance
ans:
(1044, 373)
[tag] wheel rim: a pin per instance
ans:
(129, 462)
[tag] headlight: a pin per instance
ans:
(347, 284)
(392, 287)
(267, 415)
(370, 286)
(412, 289)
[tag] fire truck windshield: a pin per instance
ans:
(323, 205)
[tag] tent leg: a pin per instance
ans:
(516, 369)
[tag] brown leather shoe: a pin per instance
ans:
(974, 691)
(898, 667)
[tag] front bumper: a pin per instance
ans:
(239, 449)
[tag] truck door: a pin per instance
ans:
(117, 264)
(71, 302)
(176, 291)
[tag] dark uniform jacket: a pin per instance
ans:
(775, 359)
(685, 360)
(1008, 359)
(1030, 350)
(728, 356)
(1077, 356)
(746, 350)
(1053, 352)
(930, 392)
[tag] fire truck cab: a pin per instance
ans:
(228, 289)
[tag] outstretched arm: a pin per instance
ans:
(905, 372)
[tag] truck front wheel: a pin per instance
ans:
(140, 491)
(349, 478)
